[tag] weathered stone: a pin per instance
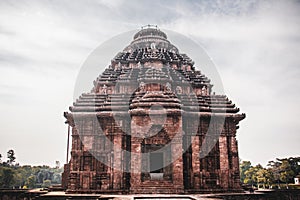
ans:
(151, 108)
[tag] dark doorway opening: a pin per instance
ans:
(156, 162)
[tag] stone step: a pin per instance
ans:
(152, 186)
(157, 184)
(155, 190)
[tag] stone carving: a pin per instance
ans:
(139, 65)
(104, 89)
(178, 90)
(153, 46)
(204, 91)
(142, 87)
(168, 87)
(185, 123)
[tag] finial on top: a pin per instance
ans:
(150, 26)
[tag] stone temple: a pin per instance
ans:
(151, 124)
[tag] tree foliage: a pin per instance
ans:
(278, 171)
(11, 157)
(6, 177)
(46, 184)
(26, 176)
(244, 166)
(30, 182)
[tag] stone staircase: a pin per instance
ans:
(157, 187)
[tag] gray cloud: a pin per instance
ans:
(255, 45)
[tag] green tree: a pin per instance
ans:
(251, 175)
(264, 176)
(14, 175)
(270, 177)
(295, 164)
(11, 157)
(285, 169)
(21, 174)
(18, 177)
(46, 183)
(6, 177)
(244, 166)
(30, 182)
(275, 169)
(286, 172)
(56, 178)
(44, 174)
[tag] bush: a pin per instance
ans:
(46, 184)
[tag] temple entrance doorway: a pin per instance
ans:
(156, 162)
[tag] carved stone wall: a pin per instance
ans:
(151, 106)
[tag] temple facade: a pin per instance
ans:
(152, 124)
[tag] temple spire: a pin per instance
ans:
(149, 26)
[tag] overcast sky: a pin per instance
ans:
(255, 46)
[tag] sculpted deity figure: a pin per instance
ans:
(153, 46)
(104, 89)
(204, 91)
(139, 65)
(168, 87)
(142, 87)
(178, 90)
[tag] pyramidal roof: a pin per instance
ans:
(152, 38)
(150, 44)
(151, 64)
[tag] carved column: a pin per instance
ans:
(224, 165)
(176, 149)
(196, 161)
(75, 161)
(136, 159)
(117, 162)
(235, 164)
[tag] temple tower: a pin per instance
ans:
(151, 124)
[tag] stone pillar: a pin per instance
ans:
(176, 151)
(224, 165)
(195, 161)
(117, 162)
(235, 164)
(136, 162)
